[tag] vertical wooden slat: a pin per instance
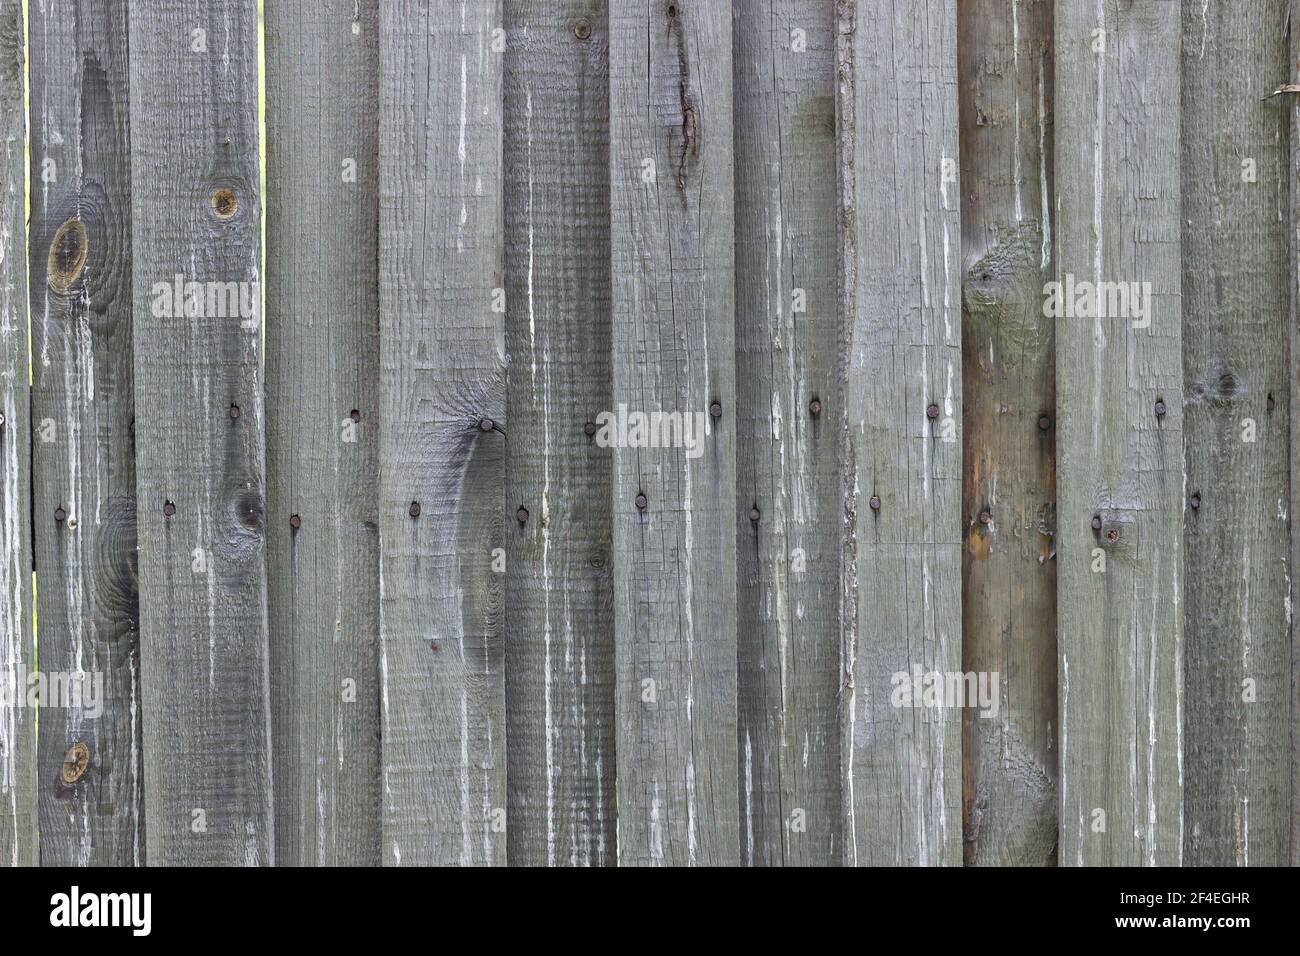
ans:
(1292, 594)
(559, 606)
(1008, 379)
(196, 215)
(18, 814)
(1120, 586)
(900, 413)
(1236, 432)
(441, 437)
(674, 352)
(788, 629)
(322, 366)
(83, 404)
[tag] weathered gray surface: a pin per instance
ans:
(18, 816)
(1292, 104)
(900, 354)
(559, 606)
(786, 329)
(1120, 633)
(196, 212)
(441, 375)
(322, 363)
(674, 351)
(1008, 380)
(1237, 544)
(83, 404)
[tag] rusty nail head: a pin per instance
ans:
(1044, 422)
(985, 517)
(59, 515)
(932, 412)
(715, 410)
(295, 522)
(1271, 405)
(875, 503)
(1160, 409)
(522, 514)
(589, 429)
(815, 406)
(755, 514)
(1096, 522)
(414, 510)
(355, 415)
(433, 646)
(486, 425)
(582, 29)
(75, 763)
(234, 411)
(1195, 501)
(1112, 535)
(641, 502)
(169, 509)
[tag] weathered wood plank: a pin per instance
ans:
(18, 806)
(199, 432)
(440, 437)
(83, 404)
(1119, 437)
(1236, 432)
(899, 412)
(1009, 468)
(786, 329)
(322, 363)
(671, 178)
(559, 607)
(1292, 594)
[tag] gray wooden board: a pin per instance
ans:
(18, 805)
(196, 213)
(83, 404)
(322, 363)
(559, 607)
(1236, 432)
(1008, 377)
(672, 250)
(441, 377)
(900, 357)
(786, 326)
(1120, 585)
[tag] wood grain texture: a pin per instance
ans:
(1292, 597)
(322, 363)
(559, 607)
(83, 405)
(18, 802)
(786, 328)
(196, 213)
(1119, 461)
(1238, 718)
(674, 352)
(441, 378)
(900, 356)
(1009, 467)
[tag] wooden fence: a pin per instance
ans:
(971, 325)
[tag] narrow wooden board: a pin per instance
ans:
(196, 213)
(322, 363)
(441, 381)
(899, 412)
(83, 405)
(1120, 587)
